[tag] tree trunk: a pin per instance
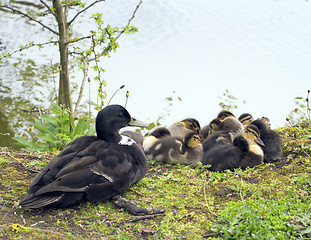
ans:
(64, 95)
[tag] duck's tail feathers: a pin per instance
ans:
(31, 201)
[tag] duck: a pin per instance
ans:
(136, 136)
(245, 151)
(272, 140)
(246, 119)
(172, 150)
(188, 125)
(154, 136)
(91, 168)
(223, 132)
(206, 130)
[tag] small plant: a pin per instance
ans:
(301, 115)
(56, 131)
(260, 218)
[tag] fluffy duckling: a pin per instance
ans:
(154, 136)
(243, 152)
(92, 168)
(246, 119)
(272, 140)
(172, 150)
(207, 130)
(136, 136)
(223, 131)
(224, 114)
(188, 125)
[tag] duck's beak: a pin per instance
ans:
(137, 123)
(260, 142)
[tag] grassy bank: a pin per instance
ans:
(271, 201)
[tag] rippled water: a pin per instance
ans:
(260, 51)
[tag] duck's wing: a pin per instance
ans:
(99, 172)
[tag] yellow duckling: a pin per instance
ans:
(246, 119)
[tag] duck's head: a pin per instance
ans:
(252, 132)
(246, 119)
(224, 114)
(160, 132)
(192, 139)
(192, 124)
(112, 118)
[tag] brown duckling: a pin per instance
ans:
(223, 131)
(243, 152)
(206, 130)
(154, 136)
(172, 150)
(188, 125)
(272, 140)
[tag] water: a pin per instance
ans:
(260, 51)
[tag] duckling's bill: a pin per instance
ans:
(260, 142)
(137, 123)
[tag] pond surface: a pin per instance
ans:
(260, 51)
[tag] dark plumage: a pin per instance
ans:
(272, 140)
(172, 150)
(222, 132)
(91, 168)
(207, 130)
(154, 136)
(243, 152)
(136, 136)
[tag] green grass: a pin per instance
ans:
(271, 201)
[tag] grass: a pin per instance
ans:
(270, 201)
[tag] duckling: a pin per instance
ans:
(92, 168)
(172, 150)
(180, 129)
(154, 136)
(223, 131)
(206, 130)
(272, 140)
(136, 136)
(243, 152)
(224, 114)
(246, 119)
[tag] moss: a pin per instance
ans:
(194, 199)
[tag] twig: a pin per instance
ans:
(28, 46)
(47, 6)
(30, 17)
(138, 218)
(85, 72)
(211, 234)
(185, 216)
(140, 194)
(120, 33)
(241, 190)
(83, 10)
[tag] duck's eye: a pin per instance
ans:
(121, 115)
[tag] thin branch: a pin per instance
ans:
(47, 6)
(30, 17)
(79, 39)
(120, 33)
(83, 10)
(85, 72)
(26, 47)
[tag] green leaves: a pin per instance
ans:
(57, 130)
